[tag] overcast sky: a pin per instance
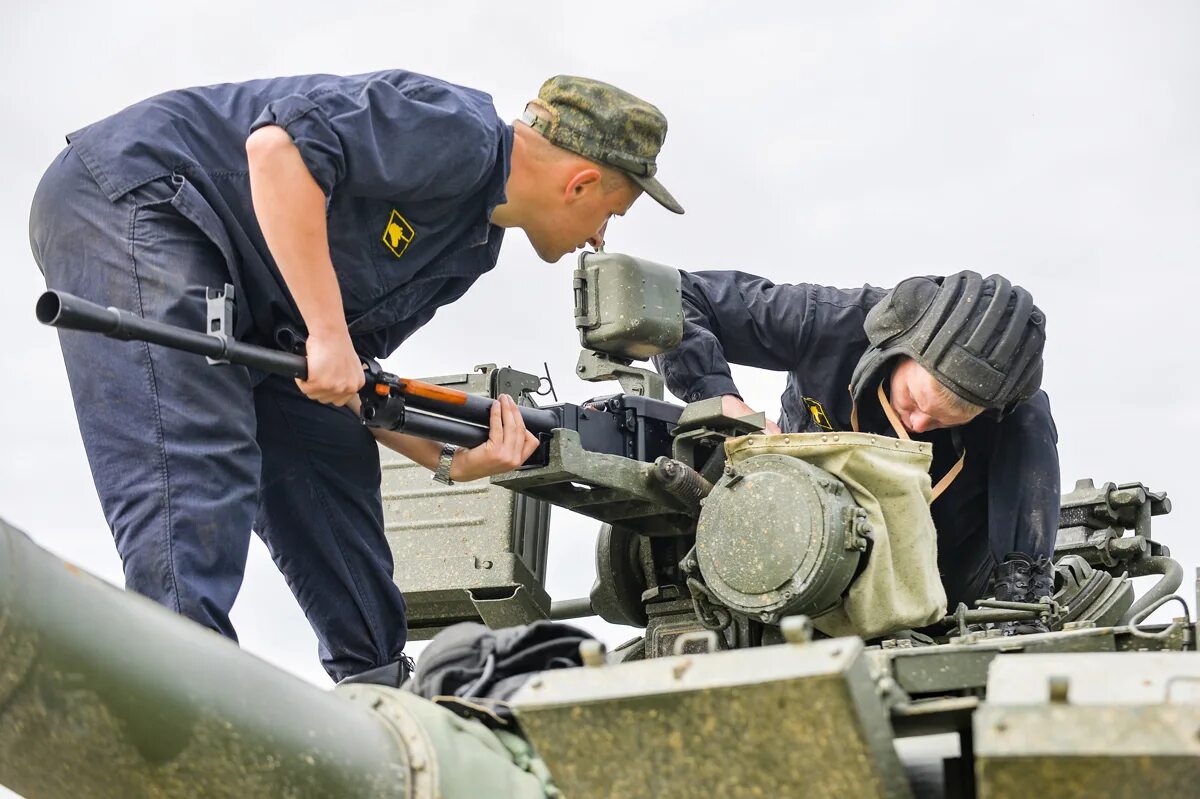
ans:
(1055, 143)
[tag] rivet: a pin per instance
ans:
(1060, 686)
(796, 629)
(591, 652)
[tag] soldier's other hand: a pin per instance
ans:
(335, 372)
(508, 446)
(734, 407)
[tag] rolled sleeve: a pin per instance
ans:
(393, 137)
(313, 134)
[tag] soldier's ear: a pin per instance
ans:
(581, 183)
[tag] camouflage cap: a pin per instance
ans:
(606, 125)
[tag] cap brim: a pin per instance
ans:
(656, 190)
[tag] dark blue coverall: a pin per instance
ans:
(144, 210)
(1006, 498)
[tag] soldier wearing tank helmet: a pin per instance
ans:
(956, 361)
(347, 209)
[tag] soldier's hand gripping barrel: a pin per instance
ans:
(105, 694)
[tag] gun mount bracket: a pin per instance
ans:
(597, 367)
(608, 488)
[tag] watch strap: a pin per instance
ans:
(445, 461)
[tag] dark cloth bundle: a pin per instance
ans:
(474, 671)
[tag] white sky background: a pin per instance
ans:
(1055, 143)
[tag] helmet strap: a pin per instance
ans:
(894, 420)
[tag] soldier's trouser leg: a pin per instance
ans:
(966, 569)
(322, 519)
(170, 440)
(174, 443)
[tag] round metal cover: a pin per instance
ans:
(777, 535)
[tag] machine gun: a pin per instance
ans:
(635, 428)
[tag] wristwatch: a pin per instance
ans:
(442, 474)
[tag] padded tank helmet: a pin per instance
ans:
(981, 338)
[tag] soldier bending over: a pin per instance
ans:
(954, 361)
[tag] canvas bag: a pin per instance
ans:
(900, 587)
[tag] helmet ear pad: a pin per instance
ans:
(889, 326)
(900, 310)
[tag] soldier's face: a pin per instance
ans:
(921, 401)
(578, 215)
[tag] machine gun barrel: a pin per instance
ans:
(68, 312)
(465, 407)
(424, 410)
(440, 428)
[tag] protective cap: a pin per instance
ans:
(606, 125)
(982, 339)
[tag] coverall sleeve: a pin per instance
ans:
(411, 141)
(1024, 484)
(735, 317)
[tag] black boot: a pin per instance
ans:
(1042, 580)
(1022, 579)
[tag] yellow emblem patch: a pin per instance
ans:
(817, 413)
(398, 234)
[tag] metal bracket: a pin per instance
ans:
(858, 529)
(518, 607)
(587, 313)
(1093, 520)
(220, 316)
(596, 367)
(688, 643)
(506, 380)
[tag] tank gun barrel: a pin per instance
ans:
(105, 694)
